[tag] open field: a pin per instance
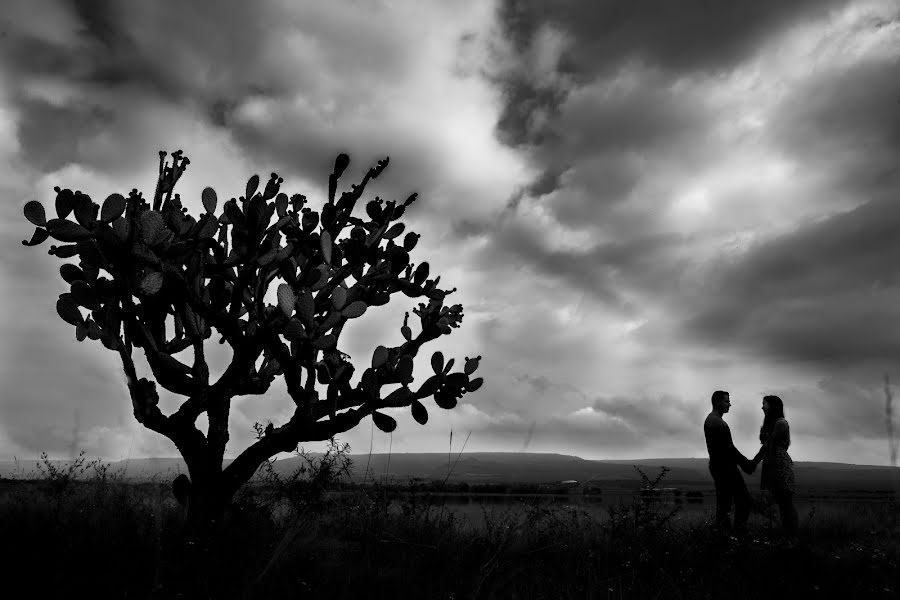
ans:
(109, 538)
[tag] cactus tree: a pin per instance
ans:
(151, 276)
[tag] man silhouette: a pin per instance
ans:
(724, 460)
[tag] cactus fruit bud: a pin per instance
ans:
(379, 167)
(67, 251)
(407, 333)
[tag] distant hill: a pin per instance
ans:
(510, 467)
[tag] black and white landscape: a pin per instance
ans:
(507, 247)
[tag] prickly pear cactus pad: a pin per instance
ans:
(135, 265)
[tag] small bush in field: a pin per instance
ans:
(306, 485)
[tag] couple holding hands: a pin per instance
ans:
(725, 459)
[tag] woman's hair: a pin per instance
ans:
(776, 411)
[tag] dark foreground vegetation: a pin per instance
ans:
(107, 538)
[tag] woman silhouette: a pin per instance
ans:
(777, 466)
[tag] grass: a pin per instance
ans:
(110, 538)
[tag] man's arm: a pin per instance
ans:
(745, 465)
(759, 455)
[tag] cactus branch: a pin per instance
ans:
(213, 272)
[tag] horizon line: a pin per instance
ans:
(513, 452)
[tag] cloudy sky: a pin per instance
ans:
(640, 203)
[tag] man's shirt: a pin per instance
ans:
(722, 452)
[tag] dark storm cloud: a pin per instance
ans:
(682, 37)
(826, 293)
(106, 51)
(631, 115)
(608, 138)
(543, 386)
(630, 101)
(51, 135)
(513, 245)
(655, 263)
(617, 118)
(847, 124)
(524, 104)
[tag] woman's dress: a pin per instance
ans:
(777, 466)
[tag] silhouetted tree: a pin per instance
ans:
(151, 276)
